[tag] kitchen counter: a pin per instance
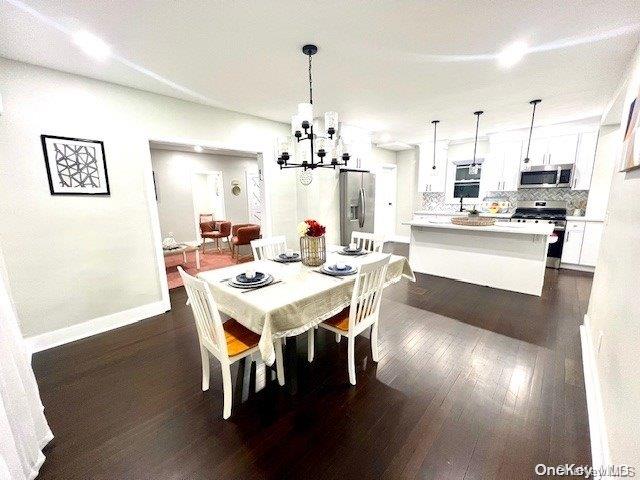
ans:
(460, 214)
(509, 256)
(583, 218)
(500, 227)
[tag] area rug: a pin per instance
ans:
(210, 260)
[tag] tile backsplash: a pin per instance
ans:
(574, 198)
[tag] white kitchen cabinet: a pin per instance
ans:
(432, 179)
(591, 243)
(585, 159)
(559, 149)
(501, 168)
(573, 236)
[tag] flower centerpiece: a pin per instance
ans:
(313, 250)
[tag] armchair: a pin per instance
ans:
(242, 234)
(215, 230)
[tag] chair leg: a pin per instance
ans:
(229, 244)
(338, 337)
(226, 387)
(351, 360)
(279, 364)
(310, 344)
(375, 354)
(205, 368)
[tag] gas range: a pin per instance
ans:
(541, 212)
(546, 212)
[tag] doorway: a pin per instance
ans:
(387, 186)
(208, 197)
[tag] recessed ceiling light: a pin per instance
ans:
(197, 148)
(92, 45)
(512, 54)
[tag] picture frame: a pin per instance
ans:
(631, 141)
(75, 166)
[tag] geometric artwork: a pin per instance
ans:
(631, 142)
(75, 166)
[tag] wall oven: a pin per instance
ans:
(547, 176)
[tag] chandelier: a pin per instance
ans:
(328, 144)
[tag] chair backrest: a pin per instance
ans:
(367, 293)
(267, 248)
(206, 315)
(367, 241)
(206, 217)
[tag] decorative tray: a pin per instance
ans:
(473, 221)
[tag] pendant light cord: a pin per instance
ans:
(310, 83)
(475, 144)
(533, 116)
(435, 126)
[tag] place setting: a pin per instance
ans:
(352, 250)
(289, 256)
(338, 270)
(251, 280)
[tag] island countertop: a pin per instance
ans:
(499, 227)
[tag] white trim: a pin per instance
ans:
(580, 268)
(597, 428)
(398, 238)
(77, 331)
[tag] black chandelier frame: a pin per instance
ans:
(283, 159)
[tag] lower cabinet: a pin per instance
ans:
(582, 243)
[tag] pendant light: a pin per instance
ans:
(533, 116)
(474, 168)
(435, 125)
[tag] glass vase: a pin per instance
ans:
(313, 251)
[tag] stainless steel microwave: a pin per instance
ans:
(547, 176)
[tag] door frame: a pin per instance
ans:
(196, 219)
(264, 150)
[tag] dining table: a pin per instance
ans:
(299, 298)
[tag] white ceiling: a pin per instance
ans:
(389, 66)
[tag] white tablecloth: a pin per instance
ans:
(303, 299)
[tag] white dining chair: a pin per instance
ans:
(267, 248)
(228, 341)
(363, 312)
(367, 241)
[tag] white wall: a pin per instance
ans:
(614, 307)
(174, 171)
(605, 163)
(407, 196)
(73, 259)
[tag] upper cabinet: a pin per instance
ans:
(554, 150)
(432, 179)
(501, 168)
(585, 159)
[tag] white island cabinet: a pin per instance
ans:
(508, 256)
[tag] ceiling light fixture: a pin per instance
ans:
(329, 144)
(473, 169)
(92, 45)
(533, 116)
(197, 148)
(512, 54)
(435, 125)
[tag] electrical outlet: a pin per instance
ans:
(599, 341)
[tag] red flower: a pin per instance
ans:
(315, 229)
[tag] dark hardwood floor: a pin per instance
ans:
(472, 383)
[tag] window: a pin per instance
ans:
(467, 183)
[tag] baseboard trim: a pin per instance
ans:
(47, 340)
(399, 239)
(597, 429)
(580, 268)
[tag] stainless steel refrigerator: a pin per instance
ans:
(357, 203)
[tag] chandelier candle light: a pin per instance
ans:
(328, 144)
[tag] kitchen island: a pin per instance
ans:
(509, 256)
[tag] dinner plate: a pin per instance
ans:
(282, 258)
(353, 253)
(331, 270)
(265, 281)
(242, 278)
